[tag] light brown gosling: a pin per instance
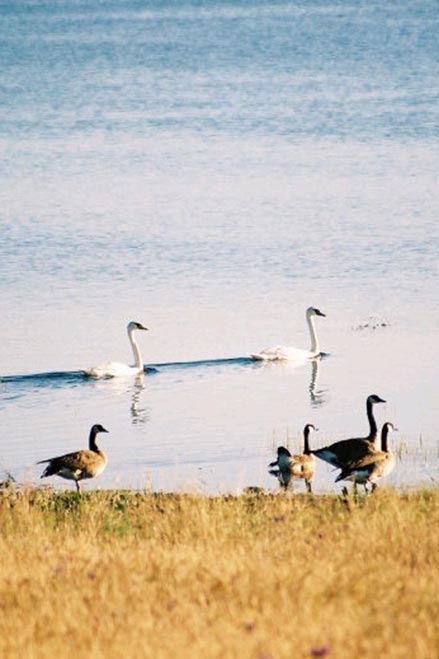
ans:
(372, 467)
(289, 467)
(81, 464)
(342, 453)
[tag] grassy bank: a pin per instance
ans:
(116, 574)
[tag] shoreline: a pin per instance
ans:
(115, 573)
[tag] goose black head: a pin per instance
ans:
(98, 428)
(388, 427)
(373, 398)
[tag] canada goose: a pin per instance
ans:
(286, 352)
(292, 467)
(346, 451)
(81, 464)
(373, 466)
(116, 369)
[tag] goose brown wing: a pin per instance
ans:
(368, 461)
(373, 462)
(77, 461)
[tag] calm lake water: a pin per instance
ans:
(212, 169)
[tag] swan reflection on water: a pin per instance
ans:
(138, 414)
(134, 386)
(317, 396)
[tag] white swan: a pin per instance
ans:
(116, 369)
(286, 352)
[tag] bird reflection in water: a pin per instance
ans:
(139, 414)
(131, 386)
(317, 396)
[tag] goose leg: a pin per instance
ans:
(78, 487)
(308, 486)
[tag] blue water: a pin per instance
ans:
(211, 169)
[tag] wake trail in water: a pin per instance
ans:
(60, 378)
(229, 361)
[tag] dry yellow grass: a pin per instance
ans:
(116, 574)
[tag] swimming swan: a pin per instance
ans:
(341, 454)
(373, 466)
(289, 467)
(286, 352)
(81, 464)
(116, 369)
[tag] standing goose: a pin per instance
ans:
(286, 352)
(81, 464)
(291, 467)
(116, 369)
(373, 466)
(346, 451)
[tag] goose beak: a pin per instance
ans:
(320, 313)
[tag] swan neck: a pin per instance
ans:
(372, 422)
(312, 332)
(138, 363)
(92, 441)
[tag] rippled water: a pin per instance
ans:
(211, 170)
